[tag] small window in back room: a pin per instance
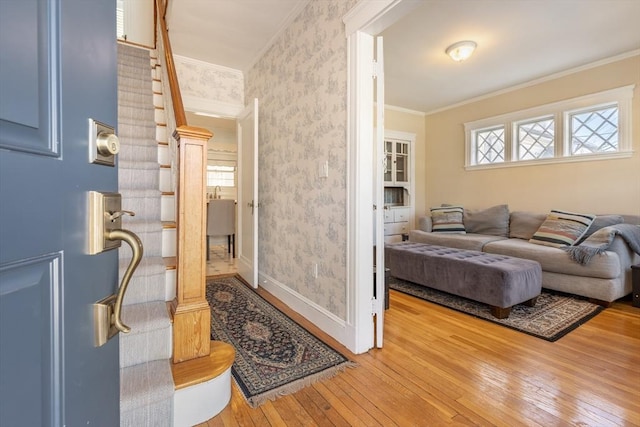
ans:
(224, 176)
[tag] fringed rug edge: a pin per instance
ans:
(297, 385)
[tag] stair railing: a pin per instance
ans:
(188, 146)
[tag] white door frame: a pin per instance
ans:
(366, 19)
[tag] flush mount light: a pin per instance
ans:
(461, 50)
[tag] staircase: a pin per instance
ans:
(146, 384)
(153, 390)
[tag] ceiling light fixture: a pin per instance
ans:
(461, 50)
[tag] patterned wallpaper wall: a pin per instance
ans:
(301, 83)
(206, 81)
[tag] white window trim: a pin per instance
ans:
(561, 110)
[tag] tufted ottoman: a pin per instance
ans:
(497, 280)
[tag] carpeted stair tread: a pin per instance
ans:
(144, 165)
(150, 335)
(146, 395)
(146, 204)
(151, 242)
(145, 317)
(139, 153)
(132, 119)
(140, 178)
(148, 281)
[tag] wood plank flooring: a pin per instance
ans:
(440, 367)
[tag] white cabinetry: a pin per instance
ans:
(396, 223)
(397, 162)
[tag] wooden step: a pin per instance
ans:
(196, 371)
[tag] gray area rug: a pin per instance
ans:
(553, 316)
(274, 355)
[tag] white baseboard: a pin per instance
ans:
(328, 322)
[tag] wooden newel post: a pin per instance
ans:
(190, 310)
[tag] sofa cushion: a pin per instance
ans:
(493, 221)
(522, 225)
(447, 219)
(556, 260)
(474, 242)
(562, 228)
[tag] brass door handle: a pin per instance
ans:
(136, 247)
(106, 233)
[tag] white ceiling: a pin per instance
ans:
(518, 41)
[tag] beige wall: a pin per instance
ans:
(412, 123)
(605, 186)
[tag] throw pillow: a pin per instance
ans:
(562, 228)
(600, 222)
(524, 224)
(447, 219)
(493, 221)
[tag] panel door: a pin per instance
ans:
(57, 70)
(248, 204)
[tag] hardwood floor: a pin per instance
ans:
(441, 367)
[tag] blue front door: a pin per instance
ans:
(57, 70)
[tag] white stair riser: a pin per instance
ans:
(164, 155)
(170, 285)
(169, 242)
(168, 207)
(161, 134)
(159, 117)
(198, 403)
(158, 100)
(165, 180)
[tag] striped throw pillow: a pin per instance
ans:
(447, 219)
(562, 229)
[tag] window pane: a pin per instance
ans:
(595, 131)
(224, 176)
(490, 146)
(535, 139)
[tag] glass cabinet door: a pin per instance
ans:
(397, 162)
(388, 152)
(401, 162)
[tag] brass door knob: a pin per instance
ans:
(107, 144)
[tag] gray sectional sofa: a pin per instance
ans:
(604, 279)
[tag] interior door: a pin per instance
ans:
(248, 205)
(379, 168)
(57, 70)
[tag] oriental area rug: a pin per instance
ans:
(553, 316)
(274, 355)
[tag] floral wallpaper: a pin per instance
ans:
(208, 81)
(301, 83)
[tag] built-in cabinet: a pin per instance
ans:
(396, 223)
(397, 162)
(399, 193)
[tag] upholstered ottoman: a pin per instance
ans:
(497, 280)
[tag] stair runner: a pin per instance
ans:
(146, 384)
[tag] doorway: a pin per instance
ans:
(222, 183)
